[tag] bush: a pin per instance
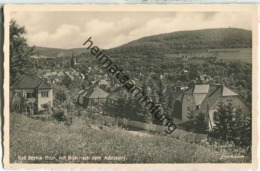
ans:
(197, 123)
(200, 124)
(45, 106)
(59, 116)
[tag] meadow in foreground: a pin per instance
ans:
(30, 137)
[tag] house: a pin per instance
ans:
(94, 96)
(71, 77)
(55, 77)
(93, 82)
(103, 82)
(205, 98)
(35, 90)
(177, 90)
(202, 79)
(118, 93)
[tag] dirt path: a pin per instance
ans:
(141, 134)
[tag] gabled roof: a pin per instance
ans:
(201, 89)
(228, 92)
(206, 95)
(30, 81)
(94, 92)
(43, 85)
(93, 82)
(215, 94)
(103, 82)
(179, 98)
(189, 90)
(199, 98)
(211, 98)
(118, 93)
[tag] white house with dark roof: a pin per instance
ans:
(205, 98)
(34, 89)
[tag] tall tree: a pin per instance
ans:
(233, 125)
(141, 112)
(200, 124)
(20, 52)
(224, 126)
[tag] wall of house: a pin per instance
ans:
(211, 117)
(177, 112)
(23, 93)
(188, 101)
(44, 100)
(93, 102)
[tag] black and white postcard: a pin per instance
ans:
(123, 86)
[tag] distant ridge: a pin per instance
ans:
(170, 42)
(190, 40)
(46, 52)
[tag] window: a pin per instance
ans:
(229, 100)
(190, 108)
(30, 95)
(45, 94)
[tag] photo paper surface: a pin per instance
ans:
(123, 86)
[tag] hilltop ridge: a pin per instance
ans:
(170, 42)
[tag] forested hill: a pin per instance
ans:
(190, 40)
(169, 43)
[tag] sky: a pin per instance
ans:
(111, 29)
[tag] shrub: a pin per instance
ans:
(45, 106)
(196, 123)
(59, 116)
(200, 124)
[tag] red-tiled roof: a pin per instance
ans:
(30, 82)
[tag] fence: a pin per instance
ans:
(126, 122)
(141, 125)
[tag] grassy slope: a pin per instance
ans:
(29, 137)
